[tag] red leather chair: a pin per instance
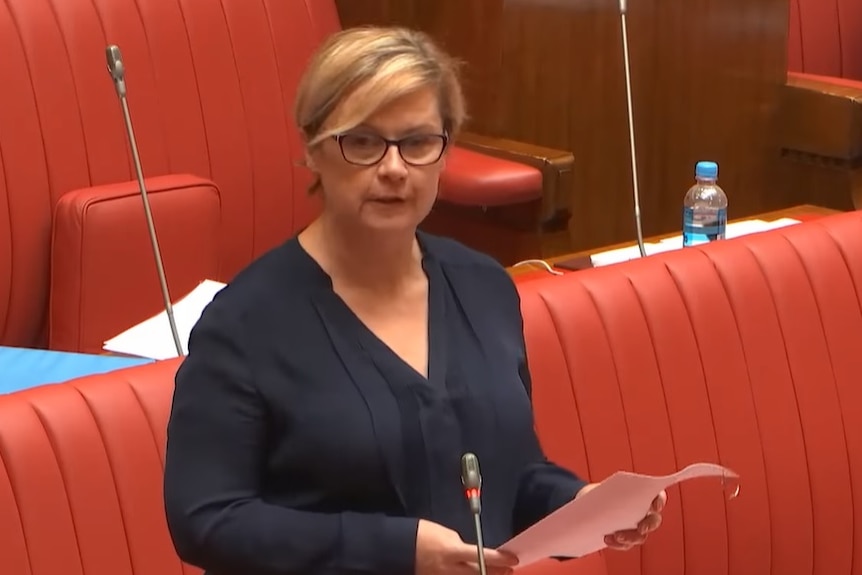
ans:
(210, 89)
(821, 115)
(744, 353)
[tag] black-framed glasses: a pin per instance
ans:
(364, 149)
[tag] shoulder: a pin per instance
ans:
(457, 258)
(479, 271)
(280, 278)
(453, 254)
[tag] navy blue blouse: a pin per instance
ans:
(299, 442)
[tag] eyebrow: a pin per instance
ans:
(417, 129)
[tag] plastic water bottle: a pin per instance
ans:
(704, 208)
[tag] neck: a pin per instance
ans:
(380, 260)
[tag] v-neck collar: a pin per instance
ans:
(437, 359)
(437, 353)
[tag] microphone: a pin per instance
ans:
(471, 479)
(628, 74)
(118, 74)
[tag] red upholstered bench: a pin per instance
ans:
(743, 352)
(210, 89)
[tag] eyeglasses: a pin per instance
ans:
(363, 149)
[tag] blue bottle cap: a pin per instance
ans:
(706, 170)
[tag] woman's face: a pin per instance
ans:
(379, 186)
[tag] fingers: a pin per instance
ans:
(464, 569)
(649, 523)
(624, 540)
(659, 502)
(628, 538)
(586, 489)
(493, 558)
(473, 568)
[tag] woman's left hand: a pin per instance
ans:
(625, 539)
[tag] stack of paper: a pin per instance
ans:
(743, 228)
(628, 253)
(152, 338)
(734, 230)
(617, 503)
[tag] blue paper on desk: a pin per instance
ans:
(21, 368)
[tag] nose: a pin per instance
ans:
(392, 165)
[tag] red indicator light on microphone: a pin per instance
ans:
(472, 493)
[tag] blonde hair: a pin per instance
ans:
(366, 68)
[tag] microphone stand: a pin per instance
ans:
(480, 544)
(472, 481)
(628, 75)
(118, 74)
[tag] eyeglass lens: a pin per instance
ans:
(367, 149)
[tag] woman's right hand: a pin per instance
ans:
(441, 551)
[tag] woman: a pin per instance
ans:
(330, 390)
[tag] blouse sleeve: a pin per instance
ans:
(212, 483)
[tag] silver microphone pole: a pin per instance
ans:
(471, 479)
(628, 72)
(118, 74)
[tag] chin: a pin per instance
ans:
(392, 224)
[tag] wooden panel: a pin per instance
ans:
(468, 29)
(706, 75)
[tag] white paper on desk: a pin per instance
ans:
(152, 337)
(619, 502)
(782, 222)
(627, 253)
(741, 228)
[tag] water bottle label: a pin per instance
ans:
(703, 226)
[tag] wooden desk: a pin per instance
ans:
(802, 213)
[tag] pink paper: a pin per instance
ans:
(619, 502)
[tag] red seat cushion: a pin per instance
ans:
(103, 275)
(473, 179)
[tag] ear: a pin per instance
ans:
(309, 161)
(442, 161)
(308, 156)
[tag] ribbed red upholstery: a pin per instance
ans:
(745, 352)
(826, 38)
(81, 474)
(210, 91)
(103, 274)
(211, 85)
(748, 353)
(81, 467)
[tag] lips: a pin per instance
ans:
(388, 200)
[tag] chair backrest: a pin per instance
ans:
(744, 353)
(210, 90)
(825, 38)
(81, 476)
(81, 467)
